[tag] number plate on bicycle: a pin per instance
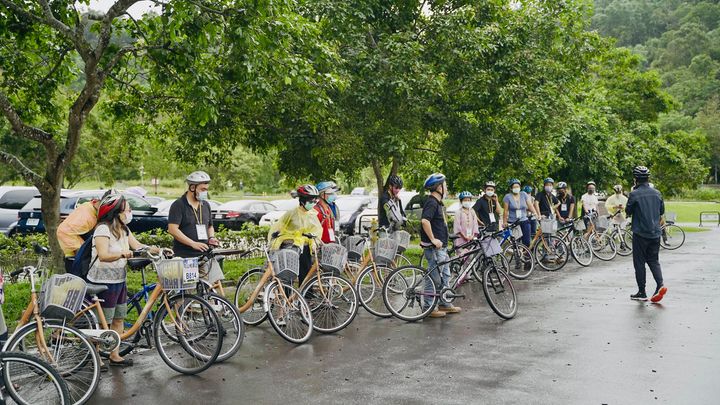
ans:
(191, 272)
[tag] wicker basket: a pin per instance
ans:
(333, 257)
(385, 250)
(178, 273)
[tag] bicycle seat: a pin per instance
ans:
(138, 263)
(41, 250)
(95, 289)
(453, 237)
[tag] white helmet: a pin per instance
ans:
(198, 177)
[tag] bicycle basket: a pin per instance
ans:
(385, 250)
(548, 226)
(333, 257)
(355, 246)
(517, 232)
(178, 273)
(580, 225)
(670, 217)
(62, 296)
(285, 260)
(403, 240)
(491, 247)
(602, 223)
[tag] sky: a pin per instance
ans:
(136, 10)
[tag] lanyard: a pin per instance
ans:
(547, 198)
(198, 214)
(491, 208)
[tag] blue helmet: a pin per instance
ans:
(527, 189)
(512, 182)
(465, 194)
(327, 187)
(549, 180)
(433, 180)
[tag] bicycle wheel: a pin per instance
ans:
(603, 246)
(622, 243)
(255, 315)
(232, 325)
(418, 297)
(520, 260)
(401, 261)
(332, 301)
(673, 237)
(189, 336)
(369, 289)
(288, 312)
(581, 250)
(30, 380)
(551, 253)
(499, 291)
(73, 355)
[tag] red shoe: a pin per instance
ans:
(659, 294)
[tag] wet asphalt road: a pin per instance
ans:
(577, 339)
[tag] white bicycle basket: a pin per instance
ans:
(285, 260)
(491, 247)
(385, 250)
(62, 296)
(178, 273)
(403, 240)
(355, 246)
(548, 226)
(333, 257)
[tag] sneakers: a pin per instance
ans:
(639, 296)
(437, 314)
(450, 309)
(659, 294)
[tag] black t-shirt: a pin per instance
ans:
(433, 212)
(568, 200)
(483, 207)
(544, 200)
(186, 217)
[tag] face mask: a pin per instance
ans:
(561, 192)
(618, 192)
(202, 195)
(591, 191)
(126, 218)
(309, 205)
(444, 192)
(331, 198)
(467, 204)
(548, 189)
(516, 190)
(489, 193)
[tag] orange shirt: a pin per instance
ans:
(81, 221)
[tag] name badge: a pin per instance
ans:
(331, 233)
(201, 232)
(518, 214)
(492, 217)
(563, 207)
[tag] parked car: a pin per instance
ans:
(282, 207)
(351, 209)
(12, 199)
(163, 207)
(234, 214)
(144, 215)
(370, 212)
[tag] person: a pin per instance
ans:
(289, 229)
(466, 221)
(589, 201)
(567, 202)
(112, 245)
(487, 208)
(327, 211)
(615, 204)
(516, 206)
(73, 231)
(533, 221)
(545, 201)
(391, 214)
(190, 218)
(645, 205)
(433, 239)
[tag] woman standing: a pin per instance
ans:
(466, 221)
(516, 206)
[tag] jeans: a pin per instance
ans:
(528, 231)
(646, 251)
(440, 276)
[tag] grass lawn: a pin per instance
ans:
(690, 211)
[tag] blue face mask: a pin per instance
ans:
(202, 195)
(331, 198)
(309, 205)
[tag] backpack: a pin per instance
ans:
(82, 262)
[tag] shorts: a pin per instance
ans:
(114, 304)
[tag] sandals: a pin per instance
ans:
(123, 363)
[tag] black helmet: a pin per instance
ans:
(641, 172)
(395, 181)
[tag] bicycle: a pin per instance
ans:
(30, 380)
(620, 234)
(43, 331)
(187, 332)
(571, 233)
(672, 236)
(519, 258)
(550, 252)
(602, 244)
(420, 292)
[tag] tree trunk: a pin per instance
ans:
(377, 169)
(51, 218)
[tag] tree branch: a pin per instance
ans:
(19, 127)
(28, 174)
(78, 40)
(116, 10)
(54, 69)
(19, 10)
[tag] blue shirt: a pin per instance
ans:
(513, 206)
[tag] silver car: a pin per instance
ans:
(12, 199)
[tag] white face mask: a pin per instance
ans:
(467, 204)
(126, 218)
(489, 193)
(516, 190)
(548, 189)
(202, 195)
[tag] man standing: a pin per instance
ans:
(433, 239)
(567, 202)
(487, 208)
(645, 205)
(190, 218)
(545, 202)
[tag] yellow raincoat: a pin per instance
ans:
(292, 225)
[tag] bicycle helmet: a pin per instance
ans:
(327, 187)
(110, 207)
(617, 188)
(465, 194)
(489, 184)
(198, 177)
(590, 183)
(395, 181)
(527, 189)
(561, 185)
(641, 172)
(549, 180)
(512, 182)
(433, 180)
(307, 192)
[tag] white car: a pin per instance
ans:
(163, 207)
(282, 207)
(370, 212)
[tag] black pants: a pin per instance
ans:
(646, 251)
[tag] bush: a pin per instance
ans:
(701, 194)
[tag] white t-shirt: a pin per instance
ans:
(108, 272)
(590, 202)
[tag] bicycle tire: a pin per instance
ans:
(675, 233)
(75, 357)
(409, 305)
(401, 261)
(231, 321)
(519, 260)
(369, 286)
(554, 250)
(256, 314)
(581, 250)
(291, 318)
(21, 370)
(603, 246)
(197, 340)
(334, 306)
(500, 283)
(620, 240)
